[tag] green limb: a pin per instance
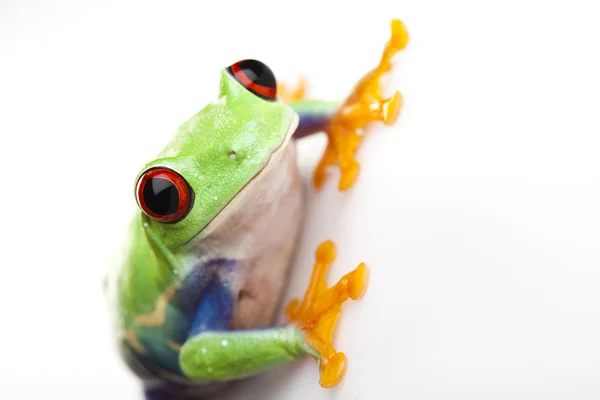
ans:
(215, 356)
(314, 115)
(315, 107)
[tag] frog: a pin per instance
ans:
(221, 209)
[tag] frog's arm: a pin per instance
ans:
(314, 115)
(213, 353)
(345, 122)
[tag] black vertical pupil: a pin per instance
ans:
(258, 73)
(161, 196)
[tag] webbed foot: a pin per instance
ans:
(287, 95)
(364, 105)
(317, 313)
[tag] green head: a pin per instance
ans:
(214, 155)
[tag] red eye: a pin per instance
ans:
(164, 195)
(256, 77)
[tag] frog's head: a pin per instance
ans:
(214, 155)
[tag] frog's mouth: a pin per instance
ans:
(275, 156)
(158, 246)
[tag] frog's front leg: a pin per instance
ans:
(314, 115)
(345, 122)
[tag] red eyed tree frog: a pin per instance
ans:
(221, 209)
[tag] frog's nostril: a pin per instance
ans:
(232, 154)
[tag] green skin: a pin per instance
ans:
(159, 255)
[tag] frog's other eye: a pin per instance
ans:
(164, 195)
(256, 77)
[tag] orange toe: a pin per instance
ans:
(316, 315)
(363, 106)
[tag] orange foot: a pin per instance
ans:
(289, 96)
(318, 312)
(364, 105)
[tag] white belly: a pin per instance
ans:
(260, 228)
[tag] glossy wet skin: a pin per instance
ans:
(221, 211)
(218, 151)
(235, 163)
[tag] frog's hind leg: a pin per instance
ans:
(318, 311)
(214, 353)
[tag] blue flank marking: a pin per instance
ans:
(196, 283)
(215, 311)
(203, 303)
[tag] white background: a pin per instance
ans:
(478, 212)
